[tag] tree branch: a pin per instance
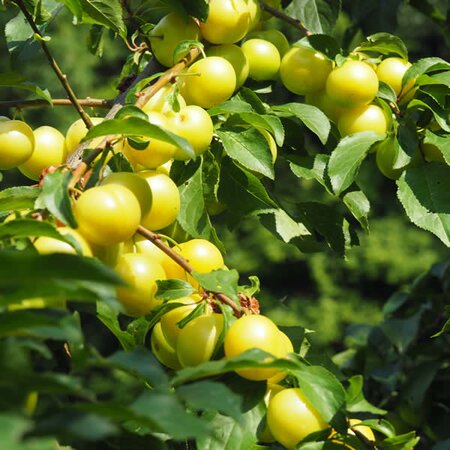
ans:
(87, 102)
(156, 240)
(62, 77)
(285, 18)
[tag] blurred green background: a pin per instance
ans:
(321, 292)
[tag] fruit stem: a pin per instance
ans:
(89, 102)
(156, 240)
(285, 18)
(62, 77)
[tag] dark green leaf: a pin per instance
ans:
(384, 43)
(312, 117)
(173, 289)
(250, 149)
(55, 196)
(96, 40)
(270, 123)
(196, 8)
(358, 204)
(230, 107)
(312, 168)
(14, 80)
(424, 192)
(211, 396)
(347, 157)
(105, 12)
(249, 96)
(386, 92)
(318, 16)
(425, 65)
(119, 163)
(442, 143)
(440, 115)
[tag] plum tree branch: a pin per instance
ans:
(285, 18)
(156, 240)
(62, 77)
(86, 102)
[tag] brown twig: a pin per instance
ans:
(87, 102)
(62, 77)
(156, 240)
(285, 18)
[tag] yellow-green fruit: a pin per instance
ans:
(274, 36)
(263, 59)
(291, 417)
(324, 103)
(142, 245)
(163, 351)
(271, 142)
(171, 318)
(362, 118)
(157, 152)
(165, 200)
(197, 340)
(254, 331)
(208, 82)
(161, 103)
(16, 143)
(140, 272)
(391, 71)
(386, 158)
(78, 131)
(195, 125)
(235, 56)
(287, 348)
(135, 184)
(353, 84)
(49, 150)
(107, 215)
(255, 13)
(228, 21)
(46, 245)
(304, 71)
(264, 434)
(168, 33)
(108, 254)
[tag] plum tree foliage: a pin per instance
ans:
(121, 326)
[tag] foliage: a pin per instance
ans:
(90, 375)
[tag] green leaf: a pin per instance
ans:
(74, 6)
(236, 183)
(384, 43)
(380, 425)
(386, 92)
(231, 434)
(355, 400)
(105, 12)
(17, 81)
(211, 396)
(142, 363)
(402, 332)
(250, 149)
(318, 16)
(220, 280)
(96, 40)
(168, 415)
(442, 143)
(249, 96)
(347, 157)
(424, 192)
(270, 123)
(312, 117)
(322, 43)
(254, 358)
(359, 206)
(440, 115)
(312, 168)
(26, 274)
(173, 289)
(193, 217)
(279, 222)
(120, 163)
(196, 8)
(230, 107)
(55, 196)
(41, 324)
(424, 65)
(22, 197)
(322, 389)
(133, 126)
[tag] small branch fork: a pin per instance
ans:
(285, 18)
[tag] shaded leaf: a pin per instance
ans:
(105, 12)
(21, 197)
(173, 289)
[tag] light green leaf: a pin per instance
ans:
(347, 157)
(250, 149)
(385, 44)
(173, 289)
(225, 281)
(424, 192)
(230, 107)
(358, 204)
(270, 123)
(442, 143)
(355, 400)
(312, 117)
(14, 80)
(424, 65)
(22, 197)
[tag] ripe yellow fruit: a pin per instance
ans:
(263, 59)
(304, 71)
(163, 351)
(363, 118)
(391, 71)
(46, 245)
(78, 131)
(353, 84)
(49, 150)
(16, 143)
(160, 102)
